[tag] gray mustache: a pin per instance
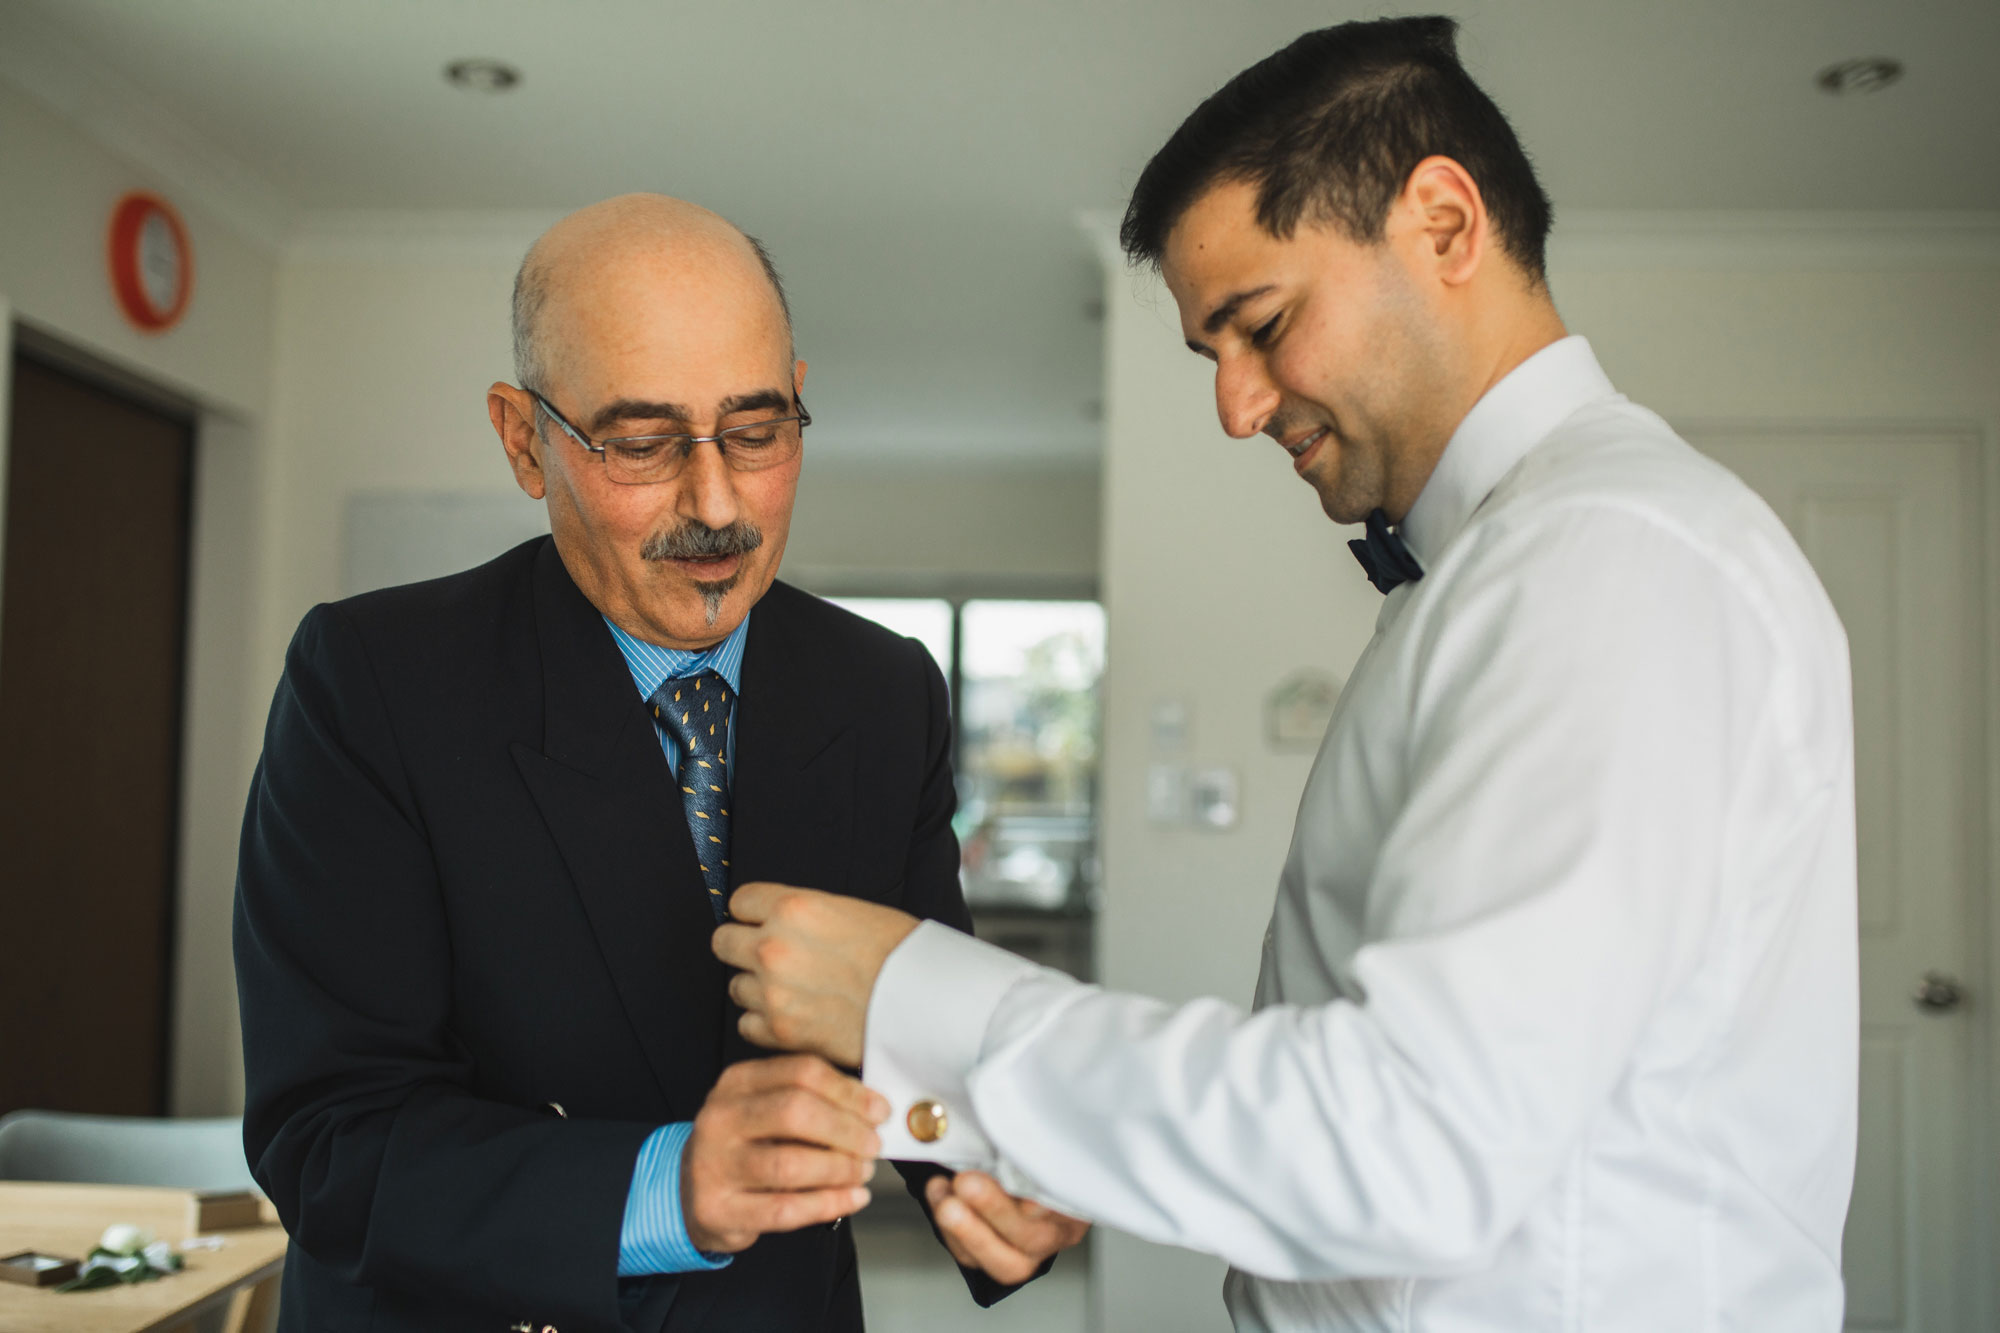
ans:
(698, 541)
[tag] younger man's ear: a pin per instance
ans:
(1450, 214)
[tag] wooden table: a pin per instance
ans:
(68, 1219)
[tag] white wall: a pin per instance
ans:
(380, 384)
(57, 190)
(1221, 575)
(925, 528)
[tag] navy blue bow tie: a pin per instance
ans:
(1384, 556)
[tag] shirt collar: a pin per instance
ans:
(1512, 417)
(651, 665)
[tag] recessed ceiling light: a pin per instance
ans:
(482, 76)
(1870, 74)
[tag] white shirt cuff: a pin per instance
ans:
(927, 1020)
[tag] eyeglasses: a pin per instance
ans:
(641, 460)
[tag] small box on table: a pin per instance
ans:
(224, 1210)
(33, 1269)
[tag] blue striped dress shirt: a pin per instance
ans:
(654, 1238)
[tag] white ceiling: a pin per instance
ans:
(918, 168)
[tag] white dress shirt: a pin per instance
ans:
(1558, 1016)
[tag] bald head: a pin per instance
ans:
(587, 255)
(646, 318)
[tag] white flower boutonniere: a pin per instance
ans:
(124, 1253)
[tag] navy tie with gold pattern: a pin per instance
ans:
(695, 711)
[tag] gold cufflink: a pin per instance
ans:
(928, 1121)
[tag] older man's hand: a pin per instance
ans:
(779, 1144)
(987, 1228)
(809, 962)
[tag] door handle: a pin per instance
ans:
(1939, 994)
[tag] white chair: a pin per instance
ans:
(124, 1150)
(135, 1150)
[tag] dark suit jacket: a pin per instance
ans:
(467, 891)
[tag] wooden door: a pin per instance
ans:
(92, 621)
(1890, 521)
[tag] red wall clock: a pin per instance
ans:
(152, 264)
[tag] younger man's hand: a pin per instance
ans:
(987, 1228)
(809, 963)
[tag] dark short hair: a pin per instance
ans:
(1329, 130)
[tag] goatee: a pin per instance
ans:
(694, 540)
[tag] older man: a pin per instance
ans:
(493, 1074)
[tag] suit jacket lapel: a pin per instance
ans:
(793, 790)
(794, 784)
(605, 791)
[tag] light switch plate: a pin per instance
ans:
(1214, 798)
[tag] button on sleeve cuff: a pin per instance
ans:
(655, 1235)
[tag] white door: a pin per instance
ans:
(1891, 521)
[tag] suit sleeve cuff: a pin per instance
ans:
(655, 1235)
(927, 1020)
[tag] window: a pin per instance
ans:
(928, 620)
(1024, 682)
(1027, 759)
